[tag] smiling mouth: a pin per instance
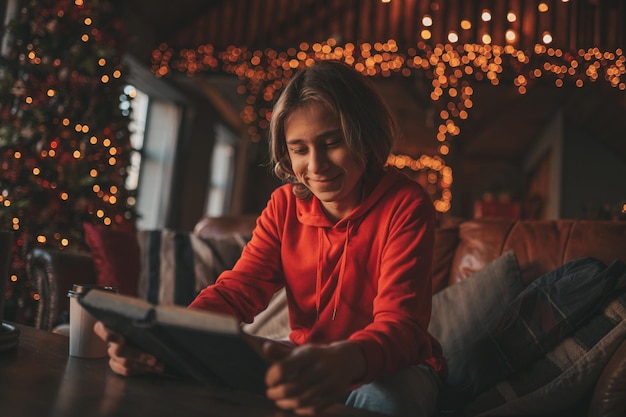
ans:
(324, 180)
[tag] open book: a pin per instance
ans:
(209, 347)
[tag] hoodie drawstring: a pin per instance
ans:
(318, 282)
(342, 269)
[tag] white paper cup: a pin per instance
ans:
(84, 342)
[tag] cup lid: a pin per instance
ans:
(82, 289)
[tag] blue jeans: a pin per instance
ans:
(413, 391)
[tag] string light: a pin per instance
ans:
(451, 68)
(546, 37)
(510, 36)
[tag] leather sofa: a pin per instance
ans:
(462, 248)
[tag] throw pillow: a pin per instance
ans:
(461, 312)
(115, 257)
(551, 308)
(566, 373)
(177, 265)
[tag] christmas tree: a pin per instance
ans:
(64, 137)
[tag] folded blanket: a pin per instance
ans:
(551, 308)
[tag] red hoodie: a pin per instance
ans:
(366, 278)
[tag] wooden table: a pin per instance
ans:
(40, 379)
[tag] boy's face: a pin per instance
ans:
(321, 160)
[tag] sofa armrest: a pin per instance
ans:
(52, 274)
(609, 395)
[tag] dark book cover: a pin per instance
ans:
(208, 347)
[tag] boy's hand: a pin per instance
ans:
(123, 359)
(308, 379)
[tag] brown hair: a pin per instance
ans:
(367, 124)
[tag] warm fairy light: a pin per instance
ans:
(510, 35)
(435, 169)
(84, 38)
(425, 34)
(100, 213)
(41, 239)
(546, 37)
(466, 24)
(64, 196)
(542, 7)
(87, 21)
(65, 242)
(76, 154)
(453, 37)
(104, 79)
(486, 38)
(36, 171)
(102, 62)
(511, 17)
(427, 20)
(485, 16)
(17, 155)
(50, 92)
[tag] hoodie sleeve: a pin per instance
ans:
(247, 289)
